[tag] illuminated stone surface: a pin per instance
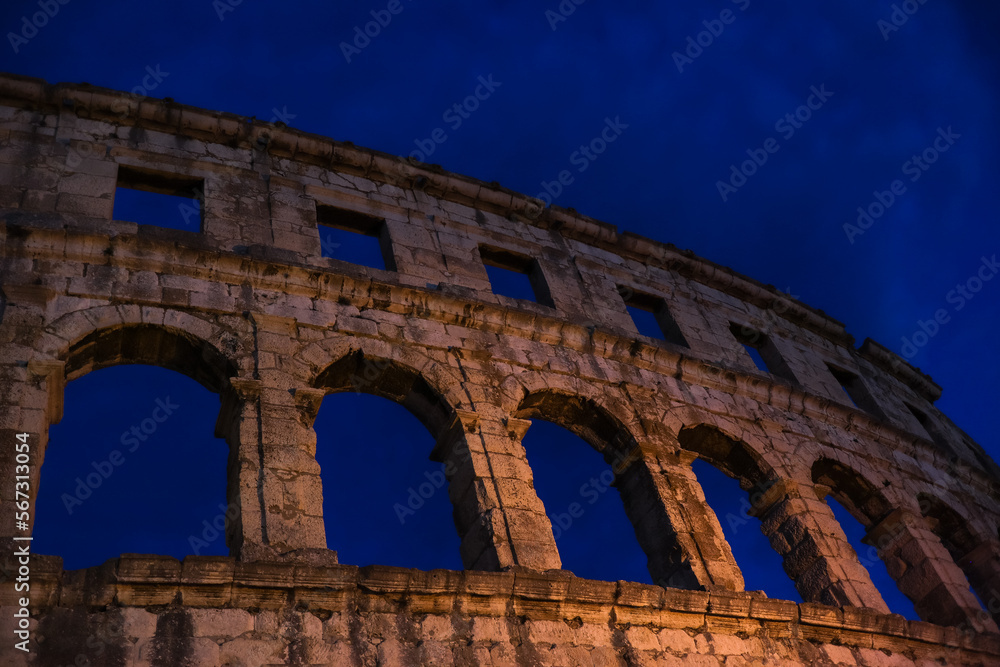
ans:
(247, 302)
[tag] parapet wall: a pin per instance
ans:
(247, 303)
(216, 611)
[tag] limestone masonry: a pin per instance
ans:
(246, 303)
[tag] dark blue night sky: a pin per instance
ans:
(711, 145)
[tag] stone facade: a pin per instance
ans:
(247, 304)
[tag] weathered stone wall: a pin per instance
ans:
(246, 304)
(215, 611)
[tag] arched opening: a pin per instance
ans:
(957, 537)
(582, 417)
(577, 453)
(384, 500)
(133, 466)
(732, 477)
(165, 347)
(760, 564)
(370, 375)
(859, 507)
(868, 556)
(594, 536)
(953, 530)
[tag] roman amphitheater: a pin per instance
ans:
(251, 307)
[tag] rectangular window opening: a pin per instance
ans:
(856, 391)
(354, 237)
(651, 316)
(515, 276)
(757, 359)
(148, 197)
(762, 351)
(933, 432)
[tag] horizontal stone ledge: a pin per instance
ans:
(309, 280)
(138, 580)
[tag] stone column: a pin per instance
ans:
(678, 531)
(292, 486)
(982, 568)
(32, 399)
(925, 572)
(817, 556)
(239, 425)
(273, 473)
(499, 517)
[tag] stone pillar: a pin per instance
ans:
(817, 556)
(293, 491)
(925, 572)
(239, 424)
(274, 484)
(499, 517)
(273, 473)
(676, 528)
(31, 388)
(32, 400)
(982, 568)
